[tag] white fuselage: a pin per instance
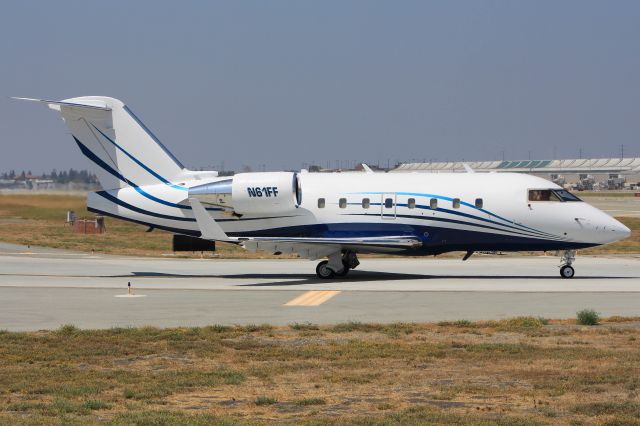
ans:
(324, 214)
(503, 219)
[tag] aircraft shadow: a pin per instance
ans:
(284, 279)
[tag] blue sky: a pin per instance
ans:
(282, 83)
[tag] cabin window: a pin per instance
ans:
(479, 203)
(366, 203)
(388, 203)
(456, 203)
(411, 203)
(342, 203)
(321, 203)
(433, 203)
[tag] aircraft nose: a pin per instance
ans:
(619, 230)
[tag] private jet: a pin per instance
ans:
(328, 216)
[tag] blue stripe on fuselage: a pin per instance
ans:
(442, 197)
(93, 157)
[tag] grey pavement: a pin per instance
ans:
(43, 290)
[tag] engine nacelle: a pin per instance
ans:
(252, 193)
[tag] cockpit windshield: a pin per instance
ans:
(560, 195)
(565, 195)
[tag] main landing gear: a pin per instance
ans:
(339, 264)
(566, 270)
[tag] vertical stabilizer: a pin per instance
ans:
(123, 150)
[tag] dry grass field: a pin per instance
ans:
(522, 371)
(39, 220)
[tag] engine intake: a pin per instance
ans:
(252, 193)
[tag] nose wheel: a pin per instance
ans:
(566, 270)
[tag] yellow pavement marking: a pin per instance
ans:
(312, 298)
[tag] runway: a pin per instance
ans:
(43, 289)
(616, 206)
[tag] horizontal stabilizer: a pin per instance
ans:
(92, 104)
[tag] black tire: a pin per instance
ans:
(567, 271)
(323, 272)
(343, 273)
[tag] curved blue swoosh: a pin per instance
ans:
(93, 157)
(140, 163)
(442, 197)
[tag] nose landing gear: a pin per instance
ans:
(338, 264)
(566, 270)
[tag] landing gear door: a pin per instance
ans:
(388, 206)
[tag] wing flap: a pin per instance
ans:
(387, 241)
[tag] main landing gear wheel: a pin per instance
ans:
(323, 271)
(567, 271)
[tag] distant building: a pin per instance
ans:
(587, 174)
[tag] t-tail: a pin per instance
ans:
(141, 180)
(124, 150)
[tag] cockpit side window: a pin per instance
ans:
(542, 195)
(559, 195)
(565, 195)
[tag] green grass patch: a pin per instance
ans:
(463, 323)
(350, 326)
(587, 317)
(265, 400)
(311, 401)
(592, 409)
(307, 326)
(95, 404)
(170, 418)
(521, 323)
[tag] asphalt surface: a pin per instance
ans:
(616, 206)
(45, 288)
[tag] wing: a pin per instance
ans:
(311, 248)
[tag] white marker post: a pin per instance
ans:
(130, 292)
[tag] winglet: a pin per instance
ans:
(468, 168)
(209, 228)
